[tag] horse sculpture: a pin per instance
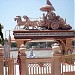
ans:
(19, 21)
(29, 23)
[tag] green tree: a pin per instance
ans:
(1, 35)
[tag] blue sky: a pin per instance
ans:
(11, 8)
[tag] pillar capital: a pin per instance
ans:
(22, 50)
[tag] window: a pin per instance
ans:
(40, 43)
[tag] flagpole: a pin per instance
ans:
(9, 38)
(9, 43)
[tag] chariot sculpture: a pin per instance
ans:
(49, 21)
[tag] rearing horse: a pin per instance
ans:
(19, 21)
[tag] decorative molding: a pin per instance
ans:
(44, 34)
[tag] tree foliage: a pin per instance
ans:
(1, 35)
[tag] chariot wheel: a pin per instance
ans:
(54, 25)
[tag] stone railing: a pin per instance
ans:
(57, 65)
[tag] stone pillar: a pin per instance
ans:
(56, 62)
(23, 66)
(1, 60)
(57, 65)
(22, 60)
